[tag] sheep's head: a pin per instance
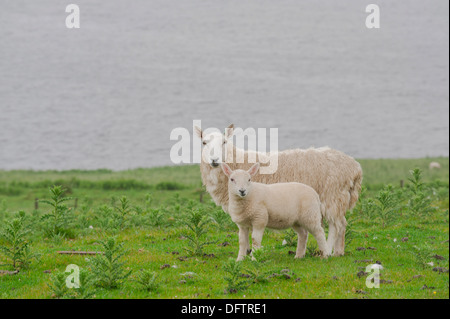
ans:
(214, 145)
(239, 181)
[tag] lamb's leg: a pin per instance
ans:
(257, 235)
(301, 242)
(319, 235)
(244, 244)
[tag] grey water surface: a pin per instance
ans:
(107, 95)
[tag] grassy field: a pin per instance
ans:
(173, 242)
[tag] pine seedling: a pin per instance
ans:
(106, 218)
(59, 218)
(233, 278)
(147, 280)
(17, 248)
(148, 202)
(197, 225)
(312, 249)
(57, 285)
(156, 216)
(86, 289)
(139, 210)
(123, 210)
(416, 180)
(27, 255)
(58, 238)
(364, 206)
(387, 204)
(59, 289)
(290, 238)
(221, 220)
(419, 202)
(191, 204)
(422, 255)
(177, 204)
(107, 269)
(256, 266)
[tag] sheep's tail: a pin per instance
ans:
(334, 212)
(355, 188)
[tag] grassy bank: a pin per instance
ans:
(177, 244)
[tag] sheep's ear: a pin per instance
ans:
(253, 170)
(226, 169)
(198, 131)
(229, 131)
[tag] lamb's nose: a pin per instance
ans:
(242, 191)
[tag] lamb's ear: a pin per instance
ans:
(198, 131)
(253, 170)
(229, 131)
(226, 169)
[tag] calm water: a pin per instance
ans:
(107, 95)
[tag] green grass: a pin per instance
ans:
(377, 173)
(150, 247)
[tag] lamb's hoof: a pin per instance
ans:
(240, 258)
(299, 257)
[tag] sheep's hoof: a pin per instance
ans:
(240, 258)
(299, 257)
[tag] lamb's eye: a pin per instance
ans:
(224, 142)
(204, 143)
(232, 179)
(249, 179)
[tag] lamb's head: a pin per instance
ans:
(239, 181)
(214, 145)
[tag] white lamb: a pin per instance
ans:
(335, 176)
(277, 206)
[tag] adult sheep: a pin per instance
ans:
(335, 176)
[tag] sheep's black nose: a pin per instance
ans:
(215, 162)
(242, 192)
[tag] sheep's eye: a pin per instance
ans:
(249, 179)
(232, 179)
(224, 142)
(204, 143)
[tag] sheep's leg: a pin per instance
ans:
(244, 244)
(319, 235)
(301, 241)
(257, 235)
(331, 236)
(339, 244)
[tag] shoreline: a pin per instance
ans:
(110, 170)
